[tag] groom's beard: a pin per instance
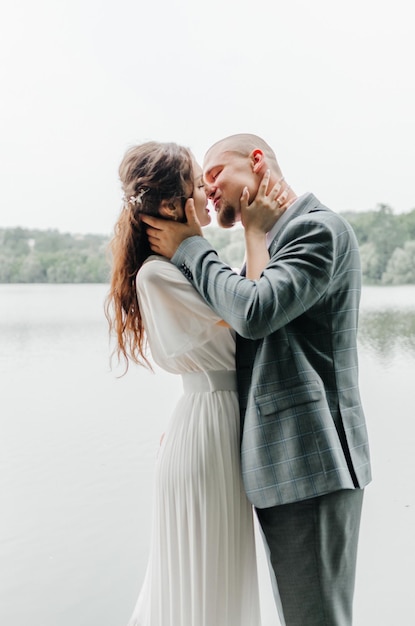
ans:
(227, 216)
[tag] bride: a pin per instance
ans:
(202, 563)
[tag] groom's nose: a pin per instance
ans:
(210, 191)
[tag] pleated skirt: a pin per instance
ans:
(202, 564)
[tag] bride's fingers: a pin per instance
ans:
(276, 189)
(244, 201)
(263, 186)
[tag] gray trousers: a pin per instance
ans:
(312, 548)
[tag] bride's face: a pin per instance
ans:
(200, 196)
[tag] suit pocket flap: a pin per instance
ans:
(276, 401)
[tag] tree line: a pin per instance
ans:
(386, 242)
(48, 256)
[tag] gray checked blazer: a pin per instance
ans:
(304, 431)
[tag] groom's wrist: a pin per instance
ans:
(189, 249)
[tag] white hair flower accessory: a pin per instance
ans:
(136, 200)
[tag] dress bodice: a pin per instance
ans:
(183, 333)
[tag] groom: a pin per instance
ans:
(304, 450)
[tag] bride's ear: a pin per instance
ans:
(169, 210)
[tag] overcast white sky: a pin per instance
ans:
(329, 85)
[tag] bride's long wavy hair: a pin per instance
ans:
(150, 173)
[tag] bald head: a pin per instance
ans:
(244, 144)
(233, 164)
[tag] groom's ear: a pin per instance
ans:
(258, 160)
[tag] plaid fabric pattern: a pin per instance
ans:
(304, 431)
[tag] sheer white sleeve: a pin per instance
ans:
(176, 318)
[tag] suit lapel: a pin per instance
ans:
(307, 204)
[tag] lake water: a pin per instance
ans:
(77, 451)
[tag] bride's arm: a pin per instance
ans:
(258, 218)
(256, 252)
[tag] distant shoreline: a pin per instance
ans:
(386, 242)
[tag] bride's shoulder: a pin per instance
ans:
(157, 268)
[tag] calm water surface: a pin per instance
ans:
(77, 451)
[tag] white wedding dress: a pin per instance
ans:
(202, 564)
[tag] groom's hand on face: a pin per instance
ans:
(165, 236)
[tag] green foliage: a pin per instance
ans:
(371, 263)
(230, 244)
(400, 269)
(407, 223)
(387, 247)
(381, 235)
(35, 256)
